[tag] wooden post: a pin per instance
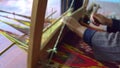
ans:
(37, 22)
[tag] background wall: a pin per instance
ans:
(109, 7)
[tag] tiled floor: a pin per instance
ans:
(14, 57)
(109, 7)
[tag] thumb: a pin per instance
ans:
(65, 19)
(96, 21)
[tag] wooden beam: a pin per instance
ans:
(37, 22)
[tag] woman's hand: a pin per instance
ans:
(74, 26)
(98, 19)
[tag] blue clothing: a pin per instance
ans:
(88, 35)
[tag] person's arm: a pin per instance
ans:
(74, 26)
(88, 34)
(112, 24)
(106, 46)
(93, 37)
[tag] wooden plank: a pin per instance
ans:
(38, 15)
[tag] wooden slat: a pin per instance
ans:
(38, 14)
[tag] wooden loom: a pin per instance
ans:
(40, 41)
(38, 55)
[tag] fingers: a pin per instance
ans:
(71, 23)
(96, 19)
(66, 19)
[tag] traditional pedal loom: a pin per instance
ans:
(78, 15)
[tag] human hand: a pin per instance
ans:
(74, 26)
(71, 23)
(98, 19)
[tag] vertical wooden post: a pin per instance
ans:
(37, 22)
